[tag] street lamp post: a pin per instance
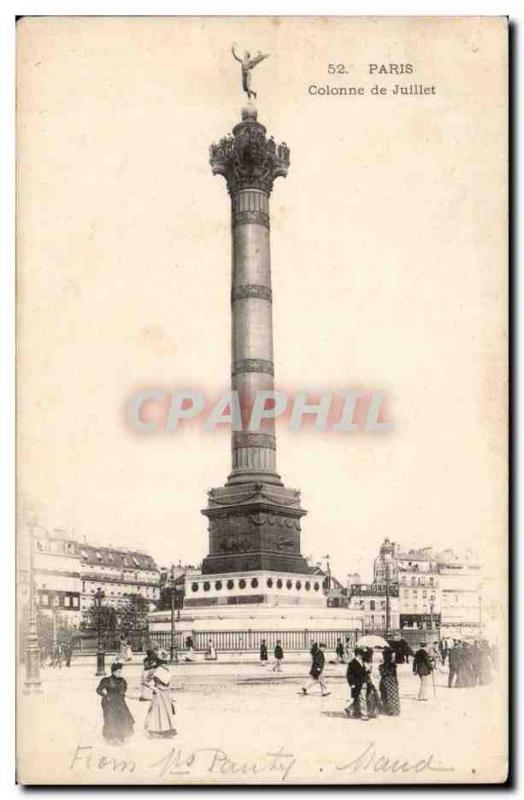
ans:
(328, 572)
(100, 655)
(32, 651)
(172, 589)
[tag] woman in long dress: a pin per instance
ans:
(374, 706)
(389, 684)
(150, 663)
(211, 653)
(159, 721)
(118, 721)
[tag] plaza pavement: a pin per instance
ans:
(242, 723)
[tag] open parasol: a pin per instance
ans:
(372, 641)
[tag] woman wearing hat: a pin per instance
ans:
(150, 663)
(118, 721)
(160, 717)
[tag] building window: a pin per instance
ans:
(298, 585)
(279, 583)
(44, 598)
(230, 584)
(289, 584)
(269, 583)
(218, 585)
(307, 586)
(241, 583)
(316, 586)
(207, 586)
(75, 602)
(194, 587)
(254, 583)
(371, 605)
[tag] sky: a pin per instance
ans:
(388, 244)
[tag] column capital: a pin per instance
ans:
(247, 158)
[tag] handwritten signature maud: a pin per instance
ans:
(214, 764)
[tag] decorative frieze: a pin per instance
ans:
(242, 439)
(253, 365)
(251, 290)
(250, 217)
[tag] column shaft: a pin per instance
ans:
(252, 369)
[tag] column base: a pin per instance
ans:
(254, 526)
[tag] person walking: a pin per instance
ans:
(454, 658)
(128, 652)
(388, 685)
(317, 668)
(348, 650)
(150, 663)
(279, 656)
(190, 650)
(374, 706)
(118, 720)
(435, 656)
(339, 651)
(263, 653)
(159, 721)
(423, 668)
(68, 653)
(211, 653)
(356, 678)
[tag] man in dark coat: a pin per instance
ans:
(317, 668)
(68, 653)
(263, 653)
(339, 651)
(279, 655)
(356, 678)
(422, 667)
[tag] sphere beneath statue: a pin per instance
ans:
(249, 114)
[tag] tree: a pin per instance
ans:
(133, 614)
(108, 618)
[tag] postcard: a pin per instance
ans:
(262, 406)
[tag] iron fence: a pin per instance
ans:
(233, 641)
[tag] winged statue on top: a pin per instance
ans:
(247, 64)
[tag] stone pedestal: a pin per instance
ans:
(254, 526)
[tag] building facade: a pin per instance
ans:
(436, 589)
(67, 574)
(376, 605)
(120, 573)
(57, 578)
